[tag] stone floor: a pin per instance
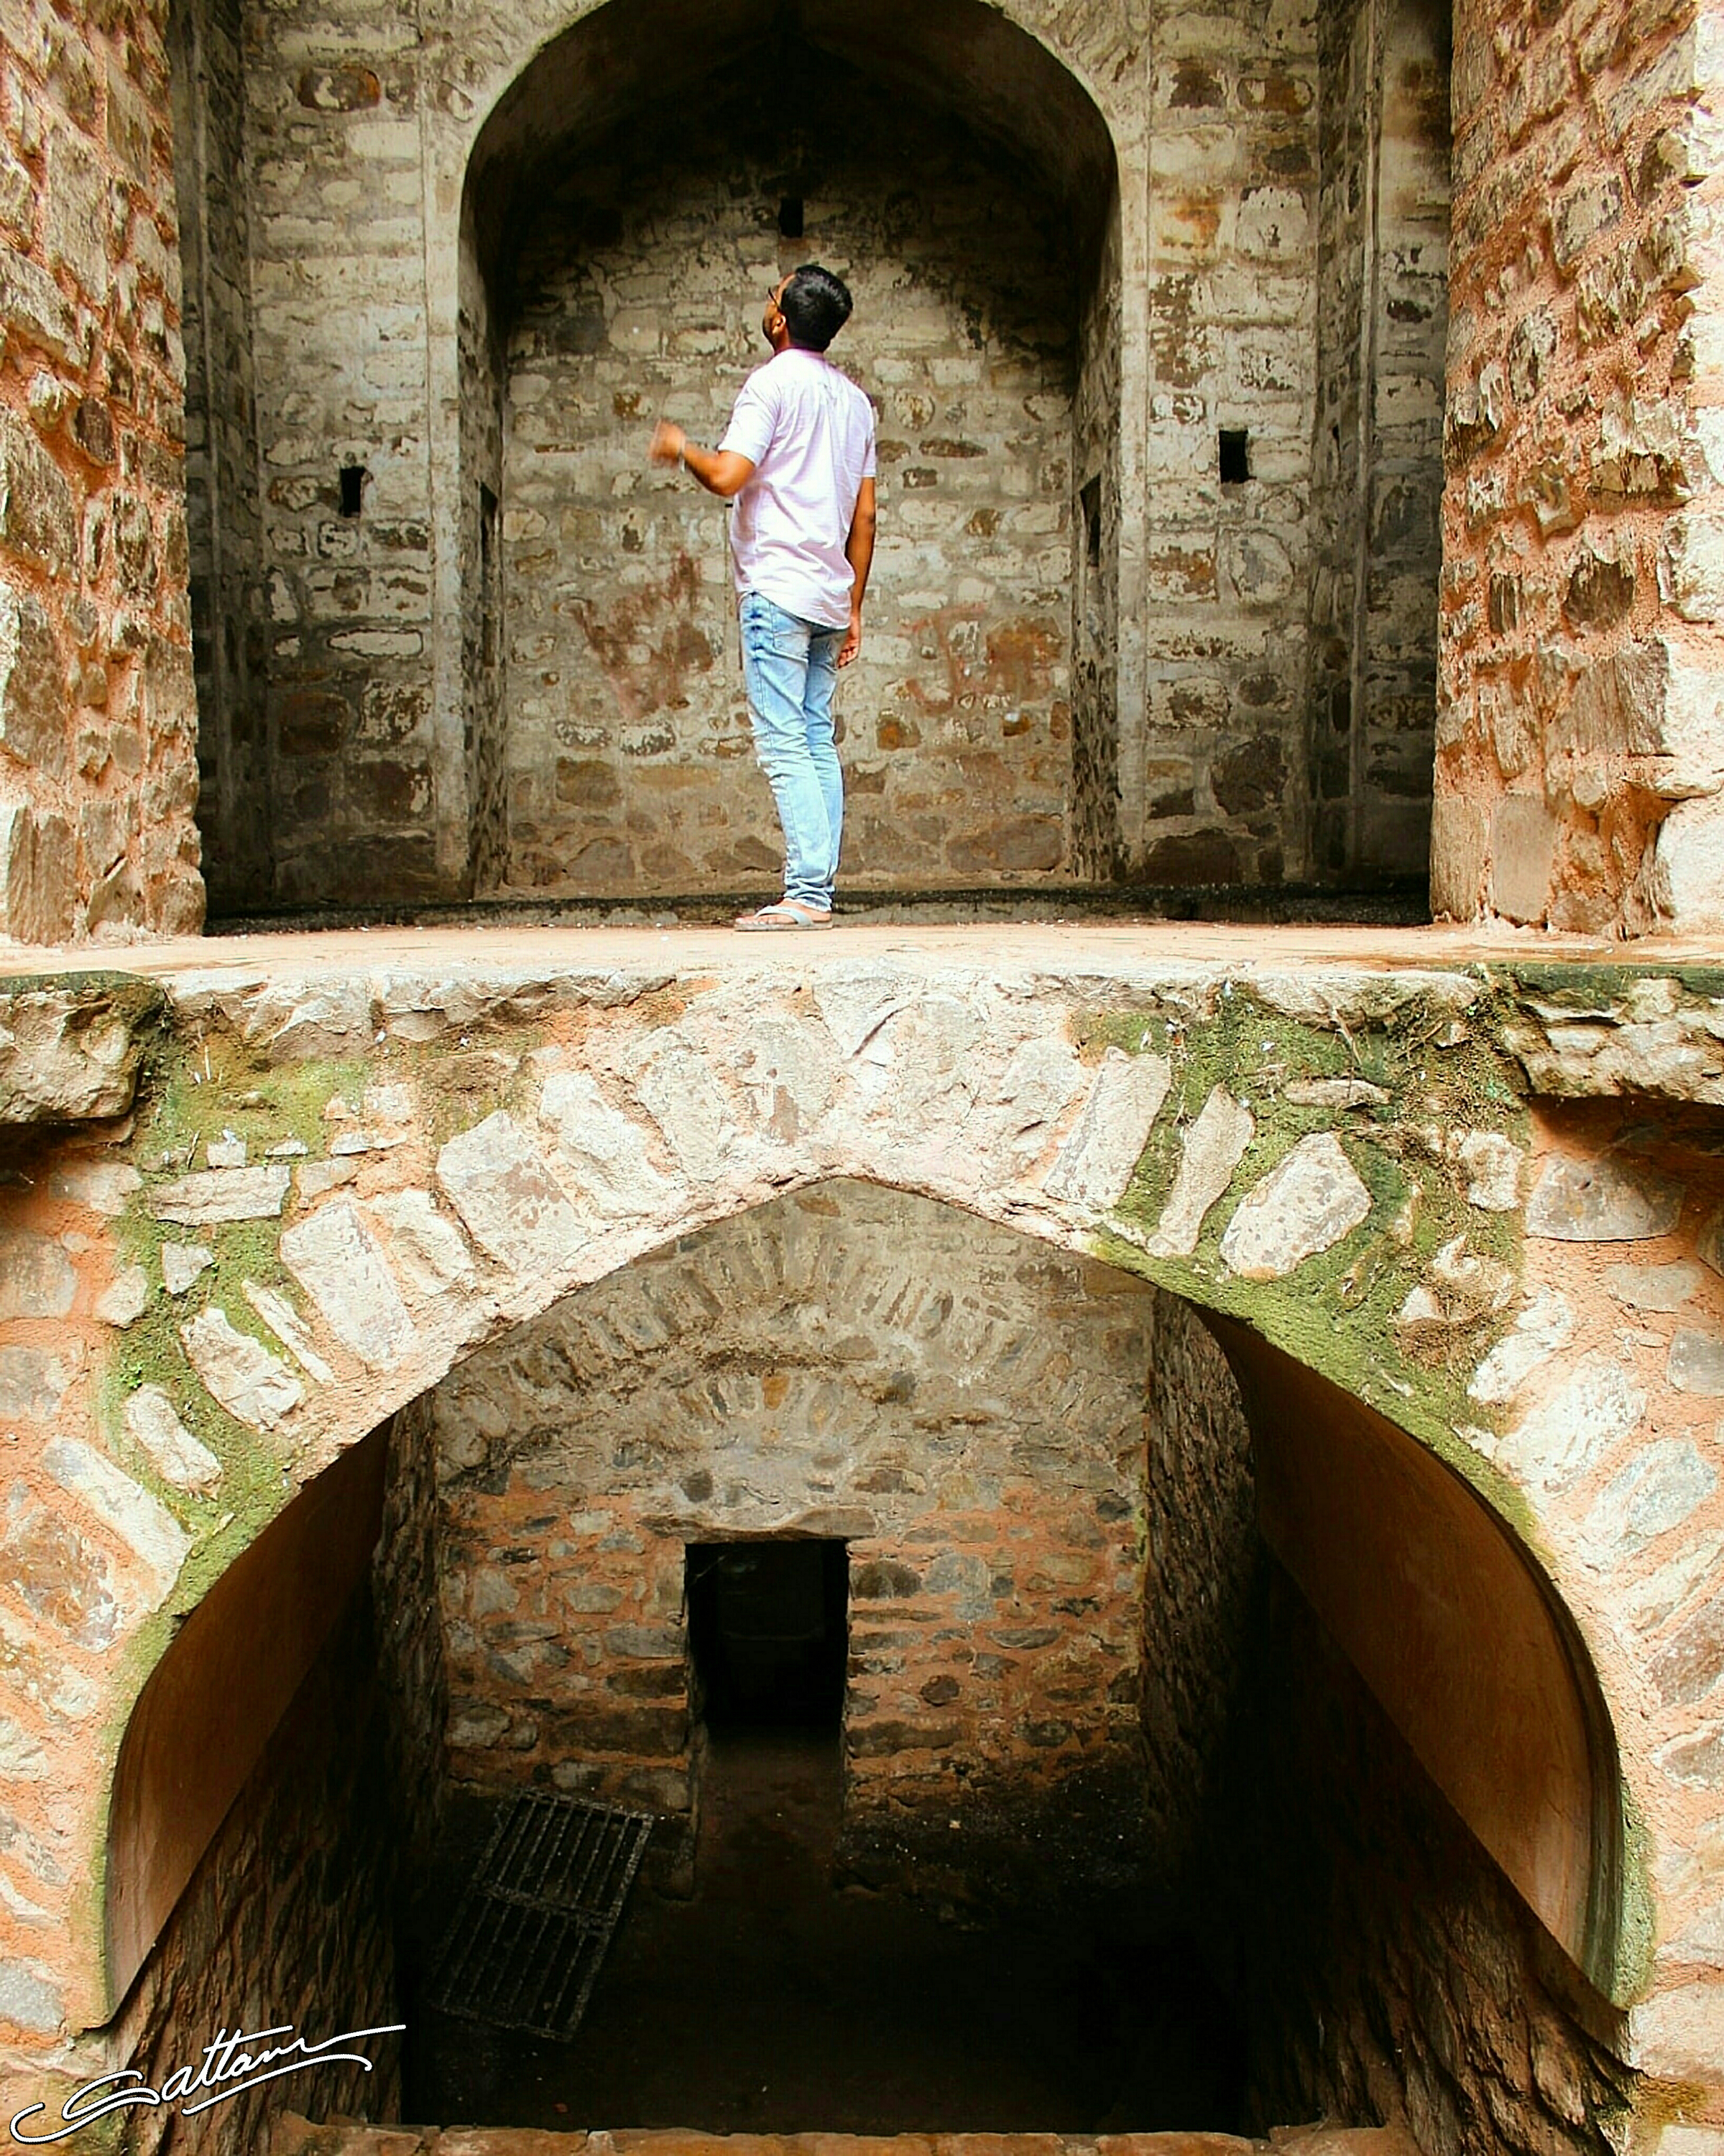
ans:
(765, 1993)
(1055, 944)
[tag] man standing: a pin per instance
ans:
(797, 462)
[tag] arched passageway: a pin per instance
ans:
(652, 173)
(1110, 1677)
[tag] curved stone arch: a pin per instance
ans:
(1543, 1797)
(618, 1107)
(481, 72)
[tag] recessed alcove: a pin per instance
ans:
(1081, 1787)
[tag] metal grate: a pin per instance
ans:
(535, 1920)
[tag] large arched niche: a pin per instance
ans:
(1447, 1618)
(1456, 1630)
(604, 736)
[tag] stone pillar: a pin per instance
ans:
(1580, 743)
(98, 720)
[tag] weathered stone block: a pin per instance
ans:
(1523, 850)
(1303, 1206)
(337, 1260)
(39, 860)
(1601, 1201)
(37, 514)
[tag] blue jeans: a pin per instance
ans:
(790, 671)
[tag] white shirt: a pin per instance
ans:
(809, 432)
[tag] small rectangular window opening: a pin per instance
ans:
(790, 217)
(1236, 456)
(353, 478)
(1089, 502)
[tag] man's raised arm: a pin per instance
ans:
(858, 552)
(721, 472)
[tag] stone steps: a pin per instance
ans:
(294, 2135)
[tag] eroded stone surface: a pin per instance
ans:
(37, 1278)
(152, 1422)
(1094, 1164)
(253, 1385)
(1210, 1150)
(211, 1194)
(513, 1207)
(1302, 1207)
(338, 1262)
(71, 1052)
(1601, 1201)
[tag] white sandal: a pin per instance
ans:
(784, 913)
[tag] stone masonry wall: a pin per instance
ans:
(1385, 1968)
(413, 1681)
(98, 722)
(1233, 239)
(1376, 481)
(1096, 838)
(338, 230)
(1400, 534)
(222, 505)
(965, 1412)
(1202, 1551)
(418, 1148)
(640, 288)
(1578, 760)
(289, 1918)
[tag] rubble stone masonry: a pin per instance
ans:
(1579, 766)
(98, 721)
(964, 1411)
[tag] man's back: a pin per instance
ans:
(809, 431)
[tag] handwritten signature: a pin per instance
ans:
(227, 2071)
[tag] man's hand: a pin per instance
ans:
(851, 648)
(721, 472)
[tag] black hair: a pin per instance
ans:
(815, 305)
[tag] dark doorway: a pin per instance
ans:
(768, 1633)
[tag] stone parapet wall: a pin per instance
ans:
(98, 722)
(1578, 767)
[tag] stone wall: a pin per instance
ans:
(639, 288)
(1376, 477)
(289, 1919)
(1095, 836)
(98, 723)
(338, 234)
(1202, 1551)
(1384, 1967)
(413, 1681)
(997, 728)
(222, 503)
(964, 1411)
(1234, 157)
(1579, 767)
